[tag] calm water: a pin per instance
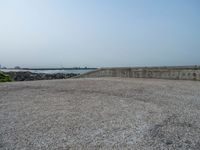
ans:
(76, 71)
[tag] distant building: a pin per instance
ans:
(17, 67)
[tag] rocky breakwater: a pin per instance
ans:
(29, 76)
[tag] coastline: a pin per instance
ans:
(49, 70)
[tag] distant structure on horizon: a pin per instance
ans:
(17, 67)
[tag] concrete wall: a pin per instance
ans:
(179, 73)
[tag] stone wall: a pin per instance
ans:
(178, 73)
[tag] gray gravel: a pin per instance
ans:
(106, 113)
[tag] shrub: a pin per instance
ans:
(4, 77)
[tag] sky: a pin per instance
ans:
(99, 33)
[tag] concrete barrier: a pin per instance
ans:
(178, 72)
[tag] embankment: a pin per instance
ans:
(178, 72)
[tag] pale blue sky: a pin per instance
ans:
(99, 33)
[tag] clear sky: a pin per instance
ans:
(99, 33)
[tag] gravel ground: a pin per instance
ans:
(106, 113)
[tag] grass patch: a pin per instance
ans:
(4, 77)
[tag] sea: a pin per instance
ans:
(65, 71)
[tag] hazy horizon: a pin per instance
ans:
(99, 33)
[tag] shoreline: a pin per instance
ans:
(64, 71)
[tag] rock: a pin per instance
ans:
(169, 142)
(29, 76)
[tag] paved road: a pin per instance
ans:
(107, 113)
